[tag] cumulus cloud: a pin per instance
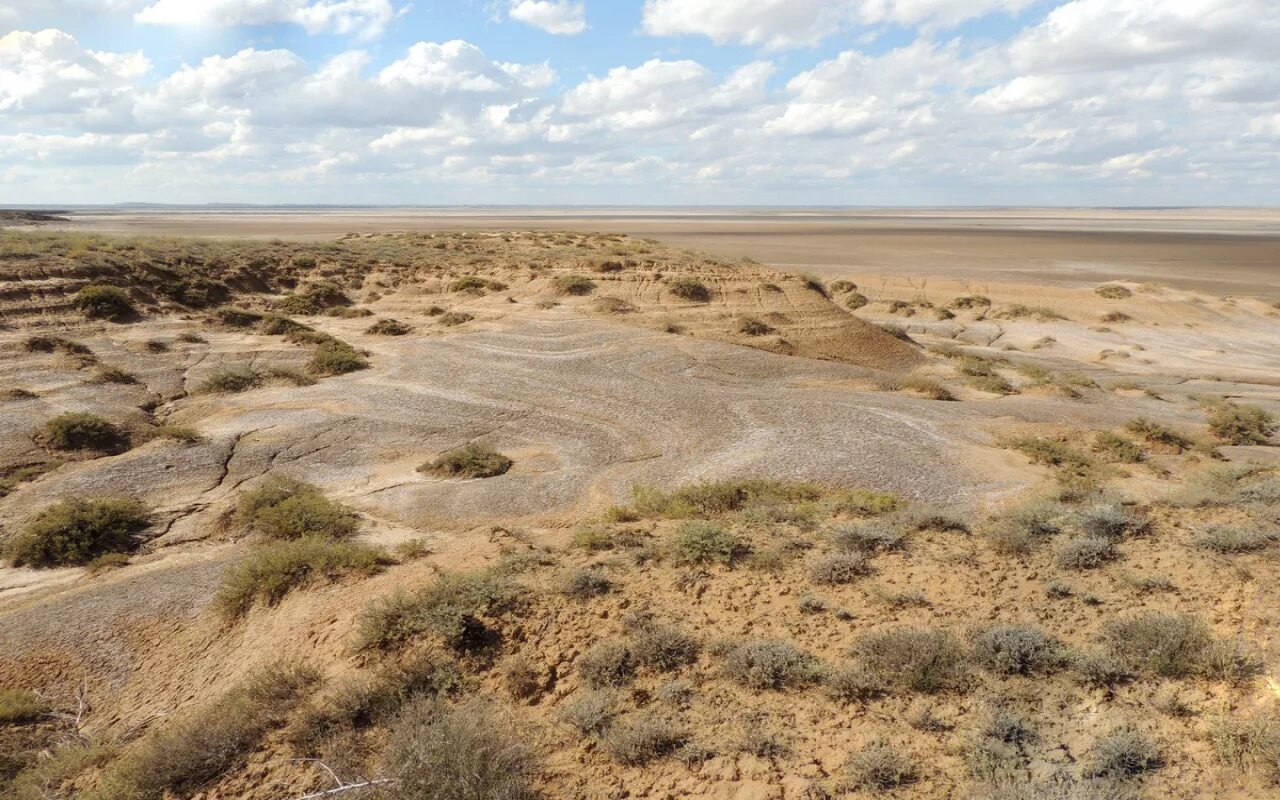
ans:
(780, 24)
(364, 18)
(553, 16)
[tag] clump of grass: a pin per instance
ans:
(769, 664)
(814, 284)
(335, 358)
(663, 648)
(970, 301)
(839, 568)
(474, 460)
(1167, 645)
(465, 752)
(991, 384)
(842, 287)
(114, 375)
(573, 284)
(1124, 753)
(230, 381)
(107, 562)
(181, 758)
(192, 338)
(586, 583)
(1113, 292)
(1250, 743)
(1111, 521)
(230, 317)
(274, 570)
(642, 738)
(389, 327)
(590, 713)
(1016, 650)
(1114, 317)
(614, 305)
(12, 394)
(20, 706)
(1229, 539)
(453, 318)
(687, 288)
(452, 609)
(74, 532)
(476, 284)
(869, 537)
(723, 497)
(1048, 452)
(927, 387)
(80, 431)
(1118, 448)
(754, 326)
(1022, 528)
(698, 542)
(1020, 311)
(104, 302)
(856, 300)
(314, 299)
(608, 664)
(852, 683)
(929, 518)
(880, 766)
(1242, 425)
(285, 508)
(1085, 552)
(918, 659)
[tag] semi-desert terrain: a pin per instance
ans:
(594, 504)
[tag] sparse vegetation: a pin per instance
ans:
(663, 648)
(769, 664)
(918, 659)
(1124, 753)
(114, 375)
(927, 387)
(1230, 539)
(1242, 425)
(881, 766)
(104, 302)
(1085, 552)
(641, 738)
(705, 543)
(20, 706)
(839, 568)
(1016, 650)
(452, 609)
(285, 508)
(1167, 645)
(277, 568)
(230, 381)
(573, 284)
(474, 460)
(754, 326)
(607, 664)
(689, 289)
(74, 532)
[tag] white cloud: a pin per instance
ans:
(780, 24)
(364, 18)
(553, 16)
(50, 73)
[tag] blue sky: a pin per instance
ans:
(867, 102)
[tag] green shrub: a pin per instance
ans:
(1050, 453)
(104, 302)
(1118, 448)
(20, 706)
(839, 568)
(590, 713)
(389, 327)
(184, 756)
(277, 568)
(451, 609)
(573, 284)
(278, 325)
(992, 384)
(769, 664)
(314, 299)
(698, 542)
(1016, 650)
(74, 532)
(471, 461)
(723, 497)
(1242, 425)
(918, 659)
(335, 358)
(81, 431)
(687, 288)
(663, 648)
(880, 766)
(1123, 753)
(1167, 645)
(230, 381)
(1085, 552)
(608, 663)
(285, 508)
(642, 738)
(1228, 539)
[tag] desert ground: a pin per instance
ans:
(640, 504)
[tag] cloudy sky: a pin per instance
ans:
(752, 102)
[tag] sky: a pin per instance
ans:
(641, 102)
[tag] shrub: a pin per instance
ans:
(475, 283)
(1124, 753)
(277, 325)
(1085, 552)
(1118, 448)
(106, 562)
(1242, 425)
(869, 538)
(389, 327)
(642, 738)
(230, 381)
(192, 338)
(814, 284)
(585, 583)
(608, 663)
(839, 568)
(687, 288)
(1248, 743)
(20, 706)
(1167, 645)
(589, 713)
(16, 393)
(1016, 650)
(237, 317)
(880, 766)
(74, 532)
(928, 518)
(1022, 528)
(992, 384)
(285, 508)
(104, 302)
(450, 608)
(184, 756)
(314, 299)
(700, 542)
(753, 326)
(769, 664)
(1103, 669)
(463, 753)
(842, 286)
(855, 301)
(1227, 539)
(80, 431)
(663, 647)
(573, 284)
(114, 375)
(927, 387)
(1112, 292)
(970, 301)
(1110, 521)
(452, 318)
(335, 358)
(919, 659)
(593, 539)
(274, 570)
(853, 682)
(471, 461)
